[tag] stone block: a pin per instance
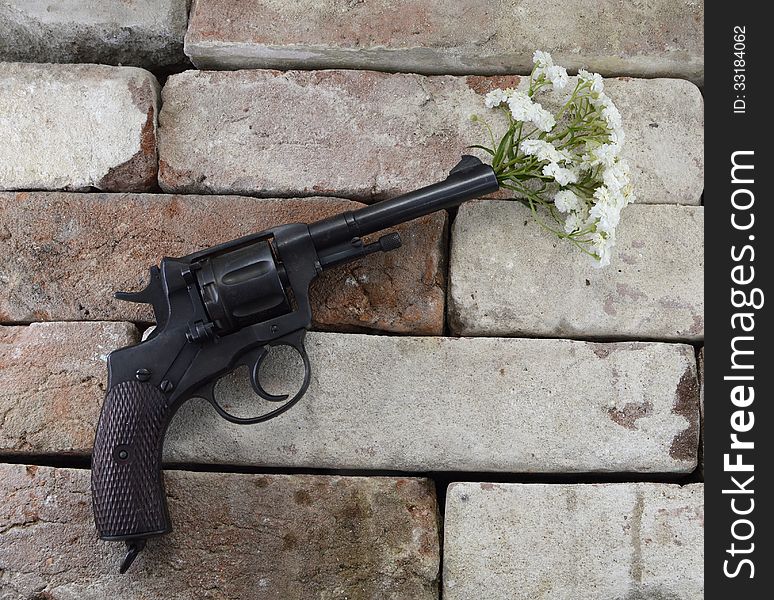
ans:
(389, 403)
(235, 536)
(432, 36)
(470, 404)
(367, 135)
(77, 127)
(66, 254)
(620, 540)
(509, 276)
(142, 33)
(52, 384)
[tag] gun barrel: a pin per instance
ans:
(470, 179)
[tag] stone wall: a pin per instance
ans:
(488, 417)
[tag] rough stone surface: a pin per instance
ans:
(63, 256)
(367, 135)
(289, 537)
(400, 403)
(484, 404)
(77, 127)
(508, 276)
(664, 125)
(657, 38)
(143, 33)
(621, 540)
(701, 410)
(52, 384)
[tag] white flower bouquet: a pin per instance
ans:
(564, 165)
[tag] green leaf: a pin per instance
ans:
(502, 148)
(484, 148)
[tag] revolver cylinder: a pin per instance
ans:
(242, 287)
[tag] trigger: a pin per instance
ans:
(255, 380)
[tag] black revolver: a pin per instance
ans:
(218, 310)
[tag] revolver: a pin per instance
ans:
(218, 310)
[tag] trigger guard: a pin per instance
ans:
(262, 353)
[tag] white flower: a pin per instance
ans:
(575, 221)
(566, 201)
(544, 151)
(602, 248)
(611, 116)
(525, 110)
(597, 84)
(616, 176)
(558, 77)
(544, 67)
(542, 59)
(605, 155)
(588, 153)
(495, 98)
(542, 119)
(602, 100)
(561, 175)
(607, 217)
(628, 193)
(607, 210)
(617, 137)
(521, 105)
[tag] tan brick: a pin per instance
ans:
(657, 38)
(620, 540)
(508, 276)
(143, 33)
(77, 127)
(292, 537)
(65, 254)
(52, 383)
(367, 135)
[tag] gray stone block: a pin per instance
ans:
(423, 404)
(367, 135)
(508, 276)
(77, 127)
(664, 125)
(622, 540)
(142, 33)
(398, 403)
(432, 36)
